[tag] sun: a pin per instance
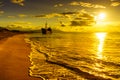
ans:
(101, 16)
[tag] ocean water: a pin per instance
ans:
(75, 56)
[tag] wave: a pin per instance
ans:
(64, 63)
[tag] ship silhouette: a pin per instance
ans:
(46, 29)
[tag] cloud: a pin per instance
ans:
(114, 0)
(1, 4)
(19, 2)
(19, 15)
(20, 25)
(1, 12)
(115, 3)
(11, 16)
(22, 15)
(83, 19)
(51, 15)
(40, 16)
(58, 5)
(67, 15)
(86, 4)
(47, 15)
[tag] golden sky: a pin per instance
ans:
(66, 14)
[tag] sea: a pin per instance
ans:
(75, 55)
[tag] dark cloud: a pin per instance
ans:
(40, 16)
(1, 11)
(19, 2)
(78, 23)
(1, 4)
(64, 14)
(68, 13)
(83, 19)
(86, 4)
(82, 23)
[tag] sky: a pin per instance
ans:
(71, 15)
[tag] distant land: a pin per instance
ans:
(4, 29)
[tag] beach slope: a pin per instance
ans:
(14, 60)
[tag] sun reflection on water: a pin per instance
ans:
(99, 54)
(101, 37)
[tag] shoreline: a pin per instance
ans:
(14, 60)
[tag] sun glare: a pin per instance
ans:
(101, 16)
(101, 38)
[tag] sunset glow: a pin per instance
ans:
(101, 16)
(67, 16)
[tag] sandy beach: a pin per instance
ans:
(14, 60)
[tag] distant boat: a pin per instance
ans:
(46, 30)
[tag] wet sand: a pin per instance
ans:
(14, 60)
